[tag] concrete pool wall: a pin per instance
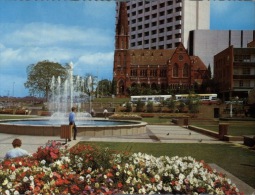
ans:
(94, 131)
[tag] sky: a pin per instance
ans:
(77, 31)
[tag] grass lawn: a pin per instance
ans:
(235, 128)
(239, 161)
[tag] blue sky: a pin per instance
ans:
(78, 31)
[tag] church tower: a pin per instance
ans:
(121, 54)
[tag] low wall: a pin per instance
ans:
(93, 131)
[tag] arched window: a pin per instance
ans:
(186, 70)
(175, 70)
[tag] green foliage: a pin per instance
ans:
(149, 106)
(128, 107)
(171, 104)
(139, 106)
(39, 76)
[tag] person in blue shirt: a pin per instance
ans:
(16, 151)
(72, 122)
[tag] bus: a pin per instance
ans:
(152, 98)
(178, 97)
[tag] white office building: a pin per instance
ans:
(162, 24)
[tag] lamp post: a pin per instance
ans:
(231, 105)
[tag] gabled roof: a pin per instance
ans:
(150, 56)
(198, 64)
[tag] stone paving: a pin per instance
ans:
(155, 134)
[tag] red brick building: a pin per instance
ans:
(161, 70)
(234, 71)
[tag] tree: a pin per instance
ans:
(39, 76)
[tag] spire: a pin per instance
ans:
(122, 29)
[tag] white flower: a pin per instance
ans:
(7, 192)
(81, 178)
(25, 179)
(31, 177)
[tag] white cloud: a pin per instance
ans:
(44, 34)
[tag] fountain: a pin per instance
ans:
(64, 95)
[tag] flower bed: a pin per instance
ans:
(6, 111)
(147, 115)
(125, 117)
(90, 170)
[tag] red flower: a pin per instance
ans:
(120, 185)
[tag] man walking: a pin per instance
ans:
(72, 122)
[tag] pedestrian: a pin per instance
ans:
(92, 112)
(16, 151)
(72, 122)
(105, 113)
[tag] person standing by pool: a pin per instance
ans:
(16, 151)
(72, 122)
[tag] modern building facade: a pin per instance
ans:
(207, 43)
(156, 69)
(234, 71)
(163, 24)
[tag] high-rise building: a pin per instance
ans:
(163, 24)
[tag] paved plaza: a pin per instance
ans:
(154, 134)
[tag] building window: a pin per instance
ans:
(146, 25)
(169, 28)
(162, 22)
(140, 19)
(133, 72)
(161, 30)
(241, 83)
(132, 36)
(169, 20)
(154, 15)
(133, 29)
(161, 5)
(146, 41)
(139, 43)
(154, 7)
(162, 13)
(147, 9)
(175, 70)
(153, 40)
(143, 72)
(177, 18)
(153, 73)
(185, 70)
(154, 24)
(140, 35)
(154, 32)
(147, 17)
(170, 3)
(161, 38)
(246, 71)
(140, 11)
(169, 37)
(162, 73)
(140, 27)
(169, 45)
(146, 33)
